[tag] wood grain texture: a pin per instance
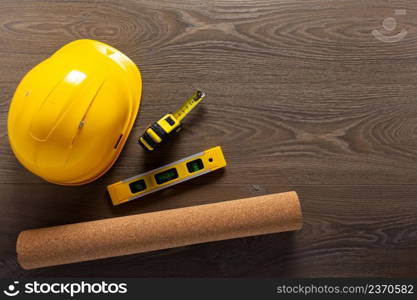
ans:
(301, 97)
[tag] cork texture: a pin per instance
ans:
(158, 230)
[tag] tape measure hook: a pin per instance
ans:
(200, 94)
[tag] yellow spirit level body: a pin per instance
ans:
(170, 124)
(166, 176)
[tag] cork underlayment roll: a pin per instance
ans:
(158, 230)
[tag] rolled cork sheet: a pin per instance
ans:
(158, 230)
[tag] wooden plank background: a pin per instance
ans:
(301, 97)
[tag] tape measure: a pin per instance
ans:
(166, 176)
(170, 124)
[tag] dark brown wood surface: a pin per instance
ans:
(301, 96)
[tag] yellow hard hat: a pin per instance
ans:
(71, 115)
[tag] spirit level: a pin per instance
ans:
(166, 176)
(170, 124)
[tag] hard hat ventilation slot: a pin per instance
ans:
(118, 141)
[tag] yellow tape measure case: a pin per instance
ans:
(165, 128)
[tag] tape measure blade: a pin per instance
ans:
(188, 105)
